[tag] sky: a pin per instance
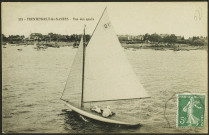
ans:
(134, 18)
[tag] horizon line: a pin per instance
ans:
(90, 34)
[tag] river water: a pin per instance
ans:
(34, 80)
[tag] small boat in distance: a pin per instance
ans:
(19, 49)
(101, 73)
(176, 49)
(75, 45)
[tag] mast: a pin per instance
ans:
(98, 21)
(84, 48)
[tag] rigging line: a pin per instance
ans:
(84, 46)
(98, 22)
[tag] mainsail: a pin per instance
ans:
(108, 74)
(73, 88)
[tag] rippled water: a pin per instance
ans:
(34, 80)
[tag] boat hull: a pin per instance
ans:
(99, 118)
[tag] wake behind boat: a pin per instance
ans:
(101, 73)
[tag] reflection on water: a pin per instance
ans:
(72, 121)
(34, 80)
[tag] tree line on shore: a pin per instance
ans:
(168, 39)
(147, 38)
(51, 37)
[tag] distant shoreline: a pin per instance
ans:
(175, 47)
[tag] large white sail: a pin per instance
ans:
(108, 74)
(73, 87)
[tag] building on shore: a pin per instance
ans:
(179, 37)
(124, 37)
(164, 35)
(35, 36)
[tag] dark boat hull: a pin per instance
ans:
(100, 118)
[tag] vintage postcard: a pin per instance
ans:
(104, 67)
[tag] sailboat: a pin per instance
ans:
(101, 73)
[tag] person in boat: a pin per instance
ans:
(76, 44)
(96, 109)
(107, 112)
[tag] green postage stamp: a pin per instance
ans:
(191, 110)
